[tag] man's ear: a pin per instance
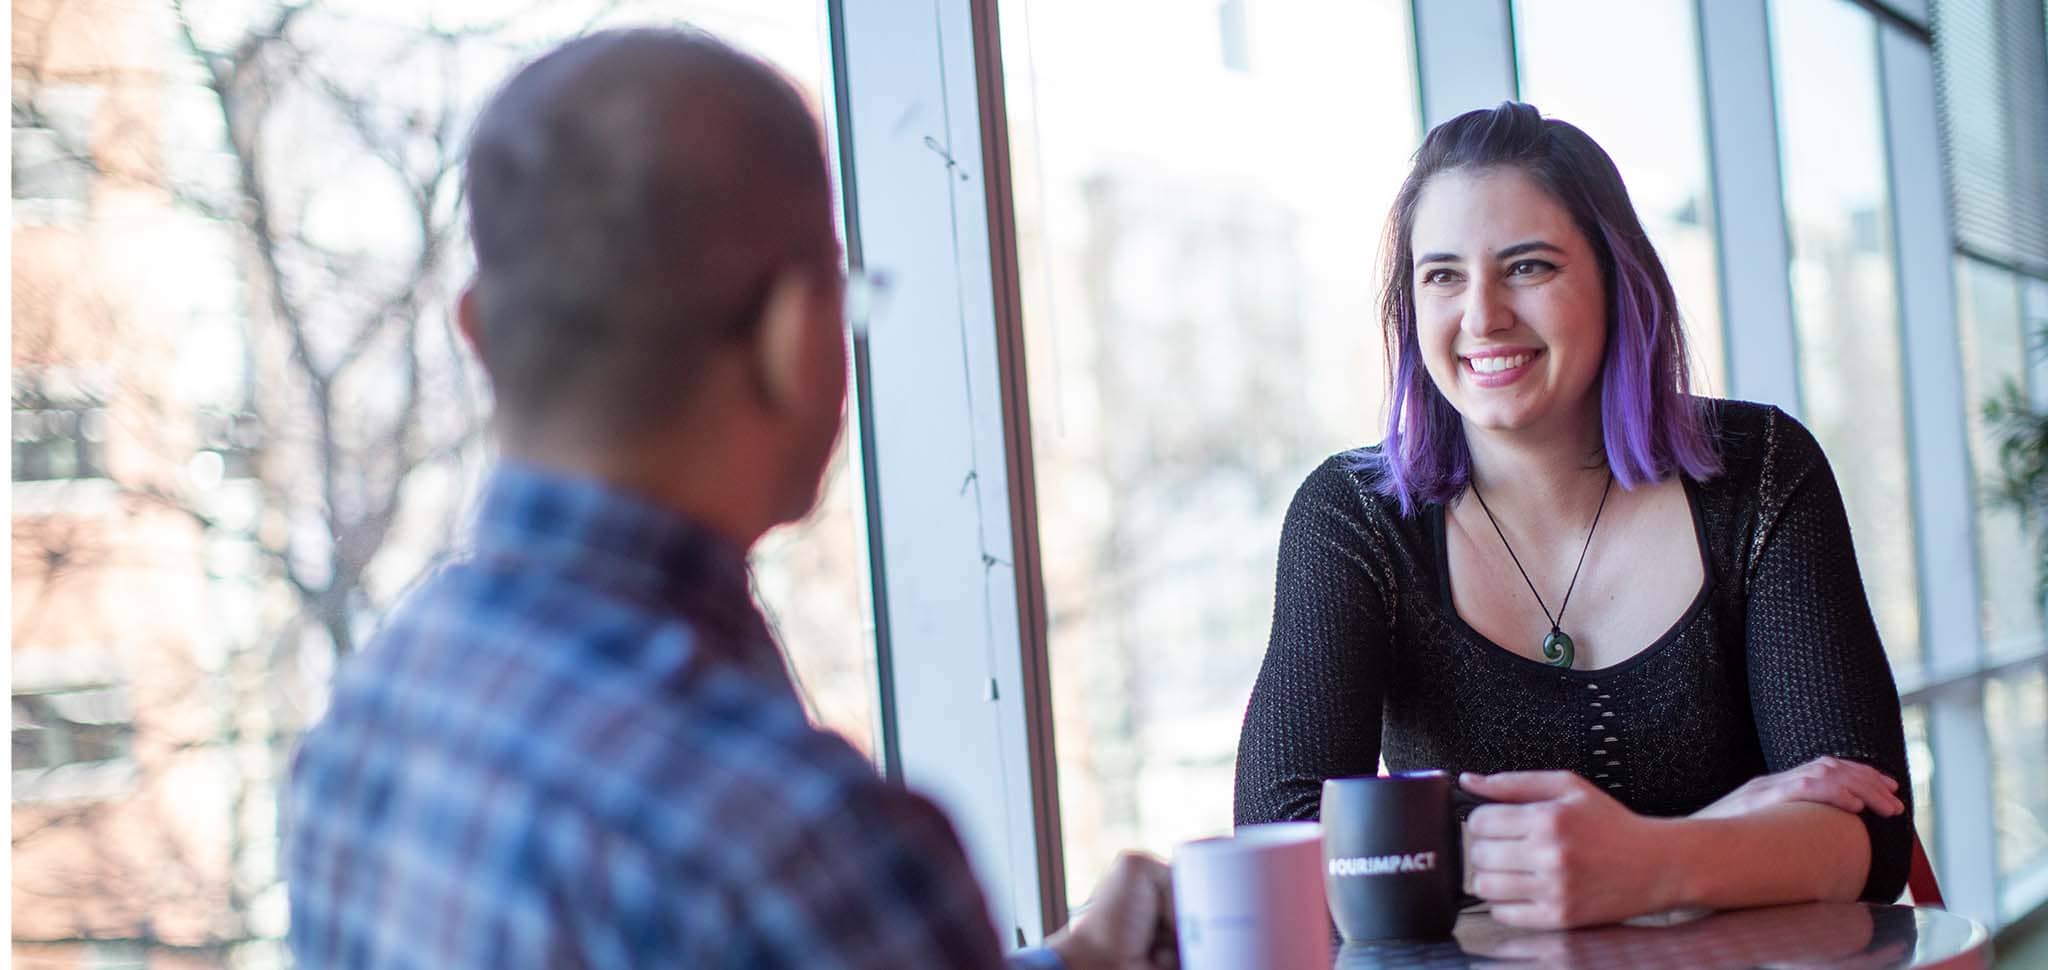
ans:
(782, 340)
(467, 320)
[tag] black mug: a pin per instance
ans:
(1393, 860)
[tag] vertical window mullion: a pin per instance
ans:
(949, 511)
(1943, 492)
(1742, 147)
(1465, 56)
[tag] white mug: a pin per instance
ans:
(1253, 902)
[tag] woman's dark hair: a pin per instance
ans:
(1651, 424)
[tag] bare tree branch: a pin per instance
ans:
(332, 474)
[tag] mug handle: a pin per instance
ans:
(1462, 799)
(1462, 802)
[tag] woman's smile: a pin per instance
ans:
(1499, 368)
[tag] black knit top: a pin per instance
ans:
(1777, 661)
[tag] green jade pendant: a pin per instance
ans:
(1557, 649)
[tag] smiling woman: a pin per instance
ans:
(1713, 724)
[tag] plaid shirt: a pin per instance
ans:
(579, 748)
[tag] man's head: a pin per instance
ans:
(656, 262)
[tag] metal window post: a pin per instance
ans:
(1464, 56)
(1750, 230)
(1944, 492)
(924, 147)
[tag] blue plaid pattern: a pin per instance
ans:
(578, 747)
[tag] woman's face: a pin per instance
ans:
(1510, 310)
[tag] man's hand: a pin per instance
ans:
(1128, 922)
(1555, 852)
(1848, 785)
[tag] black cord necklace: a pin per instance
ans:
(1557, 646)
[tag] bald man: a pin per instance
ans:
(578, 746)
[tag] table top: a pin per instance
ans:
(1863, 936)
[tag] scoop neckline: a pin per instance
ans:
(1678, 627)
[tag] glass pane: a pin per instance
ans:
(811, 581)
(2016, 712)
(216, 529)
(1653, 127)
(1988, 314)
(1920, 764)
(1198, 219)
(1831, 135)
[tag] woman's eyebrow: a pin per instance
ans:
(1523, 248)
(1508, 252)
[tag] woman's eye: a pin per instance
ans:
(1437, 277)
(1530, 267)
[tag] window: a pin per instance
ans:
(273, 500)
(45, 170)
(58, 435)
(1997, 343)
(72, 744)
(229, 441)
(1831, 138)
(1199, 218)
(78, 726)
(811, 582)
(1920, 762)
(2016, 712)
(1653, 127)
(52, 161)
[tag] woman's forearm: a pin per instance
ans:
(1554, 852)
(1788, 853)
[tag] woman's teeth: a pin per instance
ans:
(1494, 365)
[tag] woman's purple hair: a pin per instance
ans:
(1652, 425)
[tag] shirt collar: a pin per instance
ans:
(623, 544)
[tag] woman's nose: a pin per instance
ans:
(1485, 311)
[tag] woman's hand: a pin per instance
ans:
(1557, 852)
(1848, 785)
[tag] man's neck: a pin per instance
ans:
(695, 483)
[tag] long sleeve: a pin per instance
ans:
(1315, 711)
(1819, 682)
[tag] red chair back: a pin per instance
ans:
(1920, 879)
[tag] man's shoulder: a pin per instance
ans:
(633, 719)
(463, 737)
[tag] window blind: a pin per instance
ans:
(1991, 65)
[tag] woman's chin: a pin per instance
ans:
(1496, 413)
(1501, 420)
